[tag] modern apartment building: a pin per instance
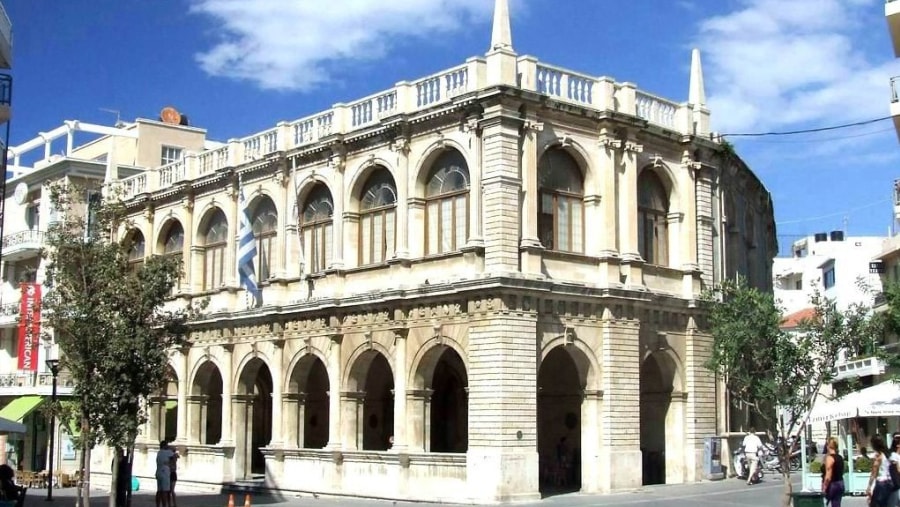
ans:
(475, 286)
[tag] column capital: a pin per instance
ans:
(400, 333)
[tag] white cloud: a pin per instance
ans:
(775, 64)
(296, 45)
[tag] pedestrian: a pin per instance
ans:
(9, 490)
(173, 464)
(880, 485)
(833, 474)
(163, 474)
(751, 446)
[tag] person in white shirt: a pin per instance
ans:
(751, 445)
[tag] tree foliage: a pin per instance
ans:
(778, 373)
(107, 315)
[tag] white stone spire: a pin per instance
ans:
(501, 35)
(696, 93)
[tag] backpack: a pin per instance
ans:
(895, 475)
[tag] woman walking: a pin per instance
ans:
(833, 474)
(880, 486)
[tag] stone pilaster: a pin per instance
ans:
(189, 281)
(530, 243)
(401, 436)
(231, 209)
(704, 180)
(620, 422)
(502, 187)
(277, 394)
(700, 406)
(502, 461)
(181, 431)
(334, 391)
(627, 214)
(338, 164)
(476, 188)
(591, 444)
(401, 148)
(227, 395)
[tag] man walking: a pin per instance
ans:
(163, 474)
(751, 446)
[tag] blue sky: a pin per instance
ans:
(236, 67)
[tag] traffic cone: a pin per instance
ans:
(247, 500)
(231, 500)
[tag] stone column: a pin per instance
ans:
(154, 418)
(627, 213)
(294, 417)
(351, 416)
(231, 209)
(502, 461)
(530, 244)
(277, 396)
(190, 281)
(334, 391)
(183, 386)
(401, 148)
(476, 188)
(338, 163)
(502, 188)
(401, 436)
(678, 462)
(280, 255)
(605, 245)
(419, 416)
(701, 238)
(591, 445)
(196, 406)
(620, 410)
(227, 396)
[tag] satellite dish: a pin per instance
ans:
(170, 115)
(21, 193)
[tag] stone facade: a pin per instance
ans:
(478, 289)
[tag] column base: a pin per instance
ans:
(621, 467)
(496, 475)
(531, 253)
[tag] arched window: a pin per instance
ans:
(215, 242)
(265, 229)
(317, 229)
(377, 218)
(447, 204)
(136, 250)
(653, 227)
(173, 246)
(561, 210)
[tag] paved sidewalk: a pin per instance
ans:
(729, 492)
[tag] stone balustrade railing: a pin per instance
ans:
(35, 379)
(10, 310)
(22, 237)
(601, 93)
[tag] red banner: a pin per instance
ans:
(29, 326)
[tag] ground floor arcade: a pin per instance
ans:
(472, 398)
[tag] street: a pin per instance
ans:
(729, 492)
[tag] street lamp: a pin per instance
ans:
(53, 366)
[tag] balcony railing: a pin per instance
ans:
(894, 95)
(5, 89)
(600, 93)
(22, 238)
(5, 26)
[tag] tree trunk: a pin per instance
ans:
(86, 482)
(784, 457)
(113, 478)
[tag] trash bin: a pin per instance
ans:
(808, 499)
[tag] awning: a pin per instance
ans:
(170, 404)
(20, 407)
(7, 426)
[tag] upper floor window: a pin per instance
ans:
(94, 199)
(265, 229)
(653, 225)
(136, 250)
(828, 278)
(377, 218)
(215, 242)
(561, 207)
(173, 246)
(170, 154)
(317, 229)
(33, 217)
(447, 204)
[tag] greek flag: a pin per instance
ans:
(247, 250)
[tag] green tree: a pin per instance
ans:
(109, 318)
(778, 374)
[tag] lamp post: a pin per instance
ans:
(53, 365)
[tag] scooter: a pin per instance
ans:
(741, 463)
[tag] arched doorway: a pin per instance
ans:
(168, 408)
(560, 395)
(205, 405)
(378, 406)
(253, 418)
(308, 397)
(449, 404)
(662, 429)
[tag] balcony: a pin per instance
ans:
(855, 368)
(9, 315)
(892, 13)
(20, 384)
(22, 245)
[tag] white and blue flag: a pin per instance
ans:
(246, 252)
